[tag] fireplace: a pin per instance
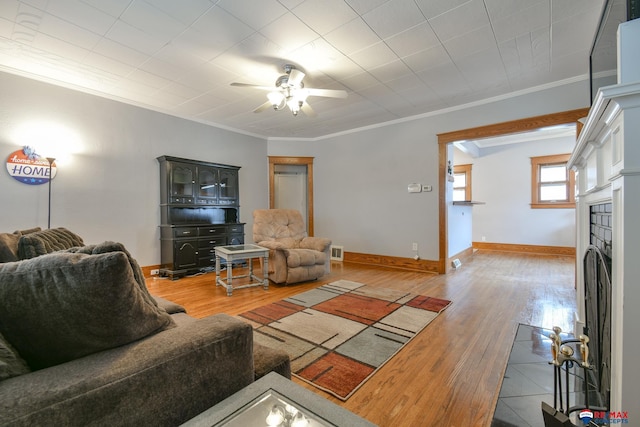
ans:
(597, 292)
(606, 161)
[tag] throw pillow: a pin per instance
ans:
(9, 244)
(46, 241)
(63, 306)
(11, 364)
(9, 247)
(106, 247)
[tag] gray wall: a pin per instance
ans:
(361, 178)
(110, 189)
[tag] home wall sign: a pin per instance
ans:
(28, 167)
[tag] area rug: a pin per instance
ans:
(338, 335)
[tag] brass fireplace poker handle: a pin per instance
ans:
(584, 350)
(566, 353)
(556, 343)
(554, 349)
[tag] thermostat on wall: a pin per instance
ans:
(414, 188)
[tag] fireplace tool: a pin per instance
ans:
(562, 354)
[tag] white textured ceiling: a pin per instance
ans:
(395, 58)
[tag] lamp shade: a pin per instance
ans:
(275, 98)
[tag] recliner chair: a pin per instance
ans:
(293, 256)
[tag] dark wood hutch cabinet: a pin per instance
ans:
(199, 210)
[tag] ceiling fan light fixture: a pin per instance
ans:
(294, 105)
(290, 91)
(276, 99)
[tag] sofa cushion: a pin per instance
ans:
(11, 364)
(9, 244)
(47, 241)
(63, 306)
(169, 306)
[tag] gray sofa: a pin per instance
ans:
(82, 342)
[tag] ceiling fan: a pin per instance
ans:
(289, 91)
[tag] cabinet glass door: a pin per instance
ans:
(207, 183)
(181, 180)
(228, 186)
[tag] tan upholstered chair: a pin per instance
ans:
(293, 256)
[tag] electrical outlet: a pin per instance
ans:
(155, 272)
(484, 239)
(414, 246)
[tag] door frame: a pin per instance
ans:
(287, 160)
(504, 128)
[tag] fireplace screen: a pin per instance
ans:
(597, 284)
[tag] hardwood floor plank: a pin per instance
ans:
(450, 374)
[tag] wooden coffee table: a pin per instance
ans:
(242, 252)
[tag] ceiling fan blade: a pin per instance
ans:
(328, 93)
(306, 109)
(263, 107)
(295, 77)
(252, 86)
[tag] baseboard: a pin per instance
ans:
(532, 249)
(462, 256)
(422, 265)
(146, 270)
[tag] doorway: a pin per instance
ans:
(505, 128)
(291, 186)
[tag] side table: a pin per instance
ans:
(242, 252)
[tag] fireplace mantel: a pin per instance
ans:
(607, 165)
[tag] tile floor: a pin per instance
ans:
(528, 380)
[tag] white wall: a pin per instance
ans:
(459, 218)
(501, 178)
(361, 178)
(110, 190)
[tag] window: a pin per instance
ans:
(461, 183)
(552, 185)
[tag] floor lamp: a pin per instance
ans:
(51, 160)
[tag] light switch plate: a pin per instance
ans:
(414, 188)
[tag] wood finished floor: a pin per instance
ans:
(450, 374)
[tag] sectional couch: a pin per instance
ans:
(82, 342)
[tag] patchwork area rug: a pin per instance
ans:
(338, 335)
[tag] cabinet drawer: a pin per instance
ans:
(212, 231)
(207, 261)
(180, 232)
(236, 229)
(212, 242)
(203, 201)
(181, 200)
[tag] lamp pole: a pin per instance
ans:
(50, 160)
